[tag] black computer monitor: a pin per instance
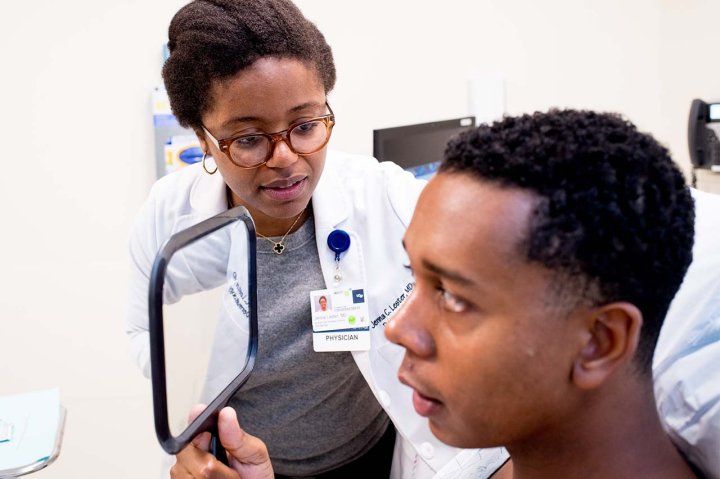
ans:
(418, 148)
(704, 135)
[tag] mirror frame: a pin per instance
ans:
(207, 420)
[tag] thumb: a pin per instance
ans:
(245, 448)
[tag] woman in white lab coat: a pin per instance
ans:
(252, 78)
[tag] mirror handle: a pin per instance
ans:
(216, 448)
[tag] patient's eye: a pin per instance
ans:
(452, 303)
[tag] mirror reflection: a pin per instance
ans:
(206, 320)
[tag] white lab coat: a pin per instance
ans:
(373, 202)
(686, 365)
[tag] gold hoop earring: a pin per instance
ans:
(205, 167)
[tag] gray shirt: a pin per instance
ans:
(314, 411)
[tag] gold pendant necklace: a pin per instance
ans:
(278, 246)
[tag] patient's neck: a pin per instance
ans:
(615, 433)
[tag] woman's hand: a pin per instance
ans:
(247, 455)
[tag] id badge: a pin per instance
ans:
(340, 320)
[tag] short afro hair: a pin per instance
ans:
(614, 214)
(215, 39)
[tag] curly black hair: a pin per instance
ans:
(613, 213)
(215, 39)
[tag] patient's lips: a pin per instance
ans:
(425, 406)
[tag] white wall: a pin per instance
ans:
(77, 136)
(552, 53)
(76, 132)
(689, 67)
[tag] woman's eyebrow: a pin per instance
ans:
(303, 106)
(248, 119)
(240, 119)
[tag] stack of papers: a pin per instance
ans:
(30, 430)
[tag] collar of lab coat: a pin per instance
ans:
(208, 196)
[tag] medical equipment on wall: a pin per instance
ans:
(175, 146)
(181, 151)
(704, 135)
(203, 325)
(418, 148)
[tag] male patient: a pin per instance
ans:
(546, 253)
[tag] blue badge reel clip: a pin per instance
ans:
(338, 241)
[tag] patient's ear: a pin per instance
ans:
(610, 338)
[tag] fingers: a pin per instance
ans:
(192, 463)
(201, 441)
(243, 447)
(248, 454)
(195, 412)
(178, 471)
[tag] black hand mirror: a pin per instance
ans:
(203, 325)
